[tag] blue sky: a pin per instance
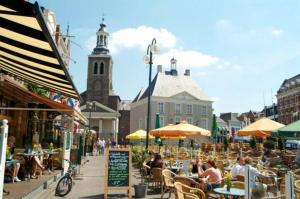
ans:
(238, 51)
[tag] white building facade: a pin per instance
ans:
(175, 98)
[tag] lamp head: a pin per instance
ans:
(146, 59)
(155, 48)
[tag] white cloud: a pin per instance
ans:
(277, 32)
(200, 74)
(138, 37)
(186, 58)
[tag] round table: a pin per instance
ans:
(231, 192)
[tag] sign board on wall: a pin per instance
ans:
(118, 170)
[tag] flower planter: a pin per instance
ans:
(140, 190)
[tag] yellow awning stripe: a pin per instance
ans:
(29, 53)
(6, 9)
(25, 39)
(33, 64)
(39, 82)
(30, 22)
(33, 71)
(40, 78)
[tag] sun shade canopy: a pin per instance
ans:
(27, 49)
(138, 135)
(261, 128)
(178, 130)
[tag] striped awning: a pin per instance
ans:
(27, 49)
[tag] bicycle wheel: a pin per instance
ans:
(64, 186)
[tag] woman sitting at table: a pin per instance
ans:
(212, 172)
(35, 158)
(16, 165)
(157, 163)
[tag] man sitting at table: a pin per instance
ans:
(16, 165)
(212, 172)
(238, 167)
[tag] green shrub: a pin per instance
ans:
(269, 144)
(280, 144)
(253, 143)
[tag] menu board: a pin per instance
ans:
(118, 169)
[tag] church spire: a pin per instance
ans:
(102, 39)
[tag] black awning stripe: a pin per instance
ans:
(25, 8)
(54, 83)
(35, 68)
(38, 83)
(26, 46)
(36, 72)
(24, 30)
(30, 58)
(34, 77)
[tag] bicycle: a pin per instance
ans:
(65, 184)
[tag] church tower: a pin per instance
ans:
(99, 81)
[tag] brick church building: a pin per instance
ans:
(101, 105)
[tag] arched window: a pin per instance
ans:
(102, 68)
(96, 68)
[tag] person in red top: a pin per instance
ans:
(212, 172)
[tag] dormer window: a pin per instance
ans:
(95, 68)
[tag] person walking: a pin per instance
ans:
(102, 145)
(98, 146)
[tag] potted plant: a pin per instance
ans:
(228, 180)
(138, 158)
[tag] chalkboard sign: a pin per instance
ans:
(118, 170)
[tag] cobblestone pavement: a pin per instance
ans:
(90, 184)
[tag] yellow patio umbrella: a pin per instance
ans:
(178, 130)
(138, 135)
(261, 128)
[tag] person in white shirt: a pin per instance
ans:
(102, 145)
(238, 167)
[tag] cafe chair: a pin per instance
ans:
(187, 181)
(168, 183)
(275, 197)
(238, 184)
(184, 192)
(156, 178)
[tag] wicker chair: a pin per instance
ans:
(238, 184)
(240, 178)
(187, 181)
(186, 192)
(168, 183)
(156, 177)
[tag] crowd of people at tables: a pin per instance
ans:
(33, 156)
(209, 175)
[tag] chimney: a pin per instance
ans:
(57, 32)
(159, 68)
(187, 72)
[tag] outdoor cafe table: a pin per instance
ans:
(9, 163)
(232, 192)
(174, 168)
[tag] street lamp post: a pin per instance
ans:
(90, 106)
(152, 48)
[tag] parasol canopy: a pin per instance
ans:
(138, 135)
(179, 130)
(261, 128)
(289, 131)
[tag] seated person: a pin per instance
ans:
(35, 158)
(15, 167)
(238, 167)
(212, 172)
(253, 171)
(195, 165)
(157, 162)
